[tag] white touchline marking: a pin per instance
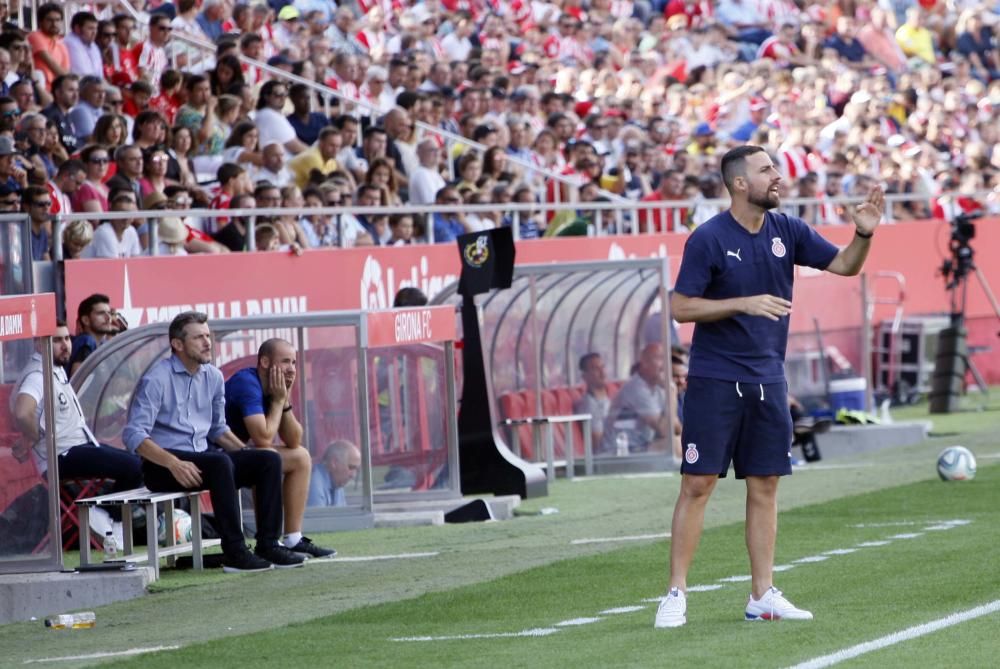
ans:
(97, 656)
(372, 558)
(905, 523)
(782, 567)
(811, 558)
(819, 468)
(574, 622)
(704, 588)
(541, 631)
(736, 579)
(624, 477)
(841, 551)
(899, 637)
(872, 544)
(621, 609)
(634, 537)
(909, 535)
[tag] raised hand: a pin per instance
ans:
(278, 389)
(868, 214)
(768, 306)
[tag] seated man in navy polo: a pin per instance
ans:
(258, 410)
(177, 424)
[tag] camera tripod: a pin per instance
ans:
(953, 355)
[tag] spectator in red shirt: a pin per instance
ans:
(663, 219)
(47, 45)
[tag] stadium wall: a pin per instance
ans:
(150, 290)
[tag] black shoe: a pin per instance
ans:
(243, 561)
(279, 556)
(307, 549)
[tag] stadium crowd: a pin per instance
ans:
(635, 99)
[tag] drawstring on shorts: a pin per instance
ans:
(740, 393)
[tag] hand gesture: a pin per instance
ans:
(768, 306)
(277, 387)
(868, 214)
(186, 473)
(21, 450)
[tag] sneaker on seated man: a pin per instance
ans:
(176, 422)
(259, 411)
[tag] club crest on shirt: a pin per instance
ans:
(691, 454)
(777, 248)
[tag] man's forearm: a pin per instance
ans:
(290, 429)
(229, 442)
(150, 450)
(702, 310)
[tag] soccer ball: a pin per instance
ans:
(956, 463)
(182, 527)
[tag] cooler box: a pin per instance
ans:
(848, 393)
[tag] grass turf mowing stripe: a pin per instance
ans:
(899, 637)
(855, 597)
(100, 656)
(634, 537)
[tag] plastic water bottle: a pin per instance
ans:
(72, 621)
(110, 547)
(621, 444)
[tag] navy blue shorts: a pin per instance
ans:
(748, 424)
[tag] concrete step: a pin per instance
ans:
(23, 596)
(848, 440)
(409, 518)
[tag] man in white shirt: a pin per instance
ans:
(272, 124)
(79, 453)
(116, 238)
(84, 55)
(426, 180)
(457, 43)
(273, 170)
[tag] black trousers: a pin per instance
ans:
(223, 473)
(89, 461)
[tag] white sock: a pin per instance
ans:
(292, 539)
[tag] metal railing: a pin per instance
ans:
(602, 218)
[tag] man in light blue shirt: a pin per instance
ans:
(339, 466)
(84, 54)
(177, 423)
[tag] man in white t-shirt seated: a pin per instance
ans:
(271, 122)
(116, 238)
(80, 455)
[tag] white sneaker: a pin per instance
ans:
(672, 611)
(774, 606)
(100, 523)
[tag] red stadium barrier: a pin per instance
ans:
(248, 283)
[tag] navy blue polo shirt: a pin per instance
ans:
(244, 397)
(722, 260)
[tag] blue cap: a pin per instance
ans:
(703, 130)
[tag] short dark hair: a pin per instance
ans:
(87, 305)
(587, 357)
(735, 161)
(82, 18)
(409, 297)
(227, 172)
(71, 166)
(49, 8)
(182, 320)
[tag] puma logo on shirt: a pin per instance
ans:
(735, 254)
